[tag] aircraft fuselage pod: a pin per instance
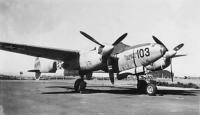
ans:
(139, 56)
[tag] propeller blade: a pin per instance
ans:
(178, 47)
(110, 70)
(91, 38)
(172, 76)
(119, 39)
(159, 42)
(179, 55)
(111, 75)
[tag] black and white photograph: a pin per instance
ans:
(99, 57)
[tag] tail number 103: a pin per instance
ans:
(143, 52)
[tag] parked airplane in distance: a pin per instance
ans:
(127, 61)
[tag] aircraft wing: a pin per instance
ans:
(45, 52)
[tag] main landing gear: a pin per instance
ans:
(147, 86)
(80, 85)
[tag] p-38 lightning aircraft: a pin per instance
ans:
(129, 61)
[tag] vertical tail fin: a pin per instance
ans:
(37, 63)
(36, 68)
(37, 75)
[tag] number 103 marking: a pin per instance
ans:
(143, 52)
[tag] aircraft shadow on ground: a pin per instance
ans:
(119, 90)
(178, 92)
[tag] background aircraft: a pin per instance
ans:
(129, 61)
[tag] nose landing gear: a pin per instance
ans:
(147, 86)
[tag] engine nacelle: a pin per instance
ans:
(90, 61)
(49, 67)
(45, 65)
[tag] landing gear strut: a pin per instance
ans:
(147, 86)
(80, 85)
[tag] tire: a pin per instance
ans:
(77, 85)
(82, 87)
(151, 89)
(141, 86)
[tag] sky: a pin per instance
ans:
(57, 23)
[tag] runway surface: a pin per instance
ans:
(58, 98)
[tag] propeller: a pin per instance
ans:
(178, 47)
(170, 54)
(106, 52)
(109, 60)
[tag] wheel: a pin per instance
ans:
(82, 87)
(77, 85)
(151, 89)
(141, 86)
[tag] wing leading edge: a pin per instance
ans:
(45, 52)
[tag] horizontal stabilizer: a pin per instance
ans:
(37, 73)
(34, 70)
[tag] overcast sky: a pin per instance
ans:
(56, 23)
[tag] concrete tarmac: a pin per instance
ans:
(58, 98)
